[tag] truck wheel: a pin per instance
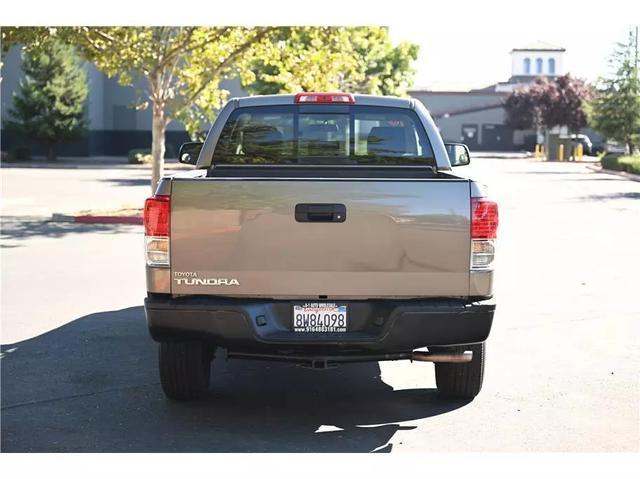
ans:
(461, 380)
(185, 369)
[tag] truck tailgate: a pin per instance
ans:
(400, 238)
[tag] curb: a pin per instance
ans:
(102, 166)
(623, 174)
(90, 219)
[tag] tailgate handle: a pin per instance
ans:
(320, 213)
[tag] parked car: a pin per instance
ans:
(616, 148)
(585, 141)
(321, 228)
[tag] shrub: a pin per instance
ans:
(610, 161)
(19, 153)
(140, 156)
(630, 164)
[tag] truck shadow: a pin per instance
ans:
(92, 385)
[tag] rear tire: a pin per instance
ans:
(461, 380)
(184, 369)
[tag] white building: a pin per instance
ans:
(537, 59)
(476, 116)
(534, 60)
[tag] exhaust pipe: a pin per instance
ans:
(464, 357)
(321, 362)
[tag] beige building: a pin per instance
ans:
(475, 116)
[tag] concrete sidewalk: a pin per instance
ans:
(505, 155)
(501, 154)
(44, 191)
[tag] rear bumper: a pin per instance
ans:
(378, 326)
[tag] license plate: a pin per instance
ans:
(320, 318)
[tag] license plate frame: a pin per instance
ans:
(320, 317)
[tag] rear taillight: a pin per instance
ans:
(313, 97)
(156, 215)
(484, 218)
(484, 228)
(157, 211)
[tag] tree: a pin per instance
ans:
(180, 67)
(50, 103)
(30, 37)
(562, 101)
(615, 111)
(388, 69)
(304, 59)
(353, 59)
(548, 103)
(522, 110)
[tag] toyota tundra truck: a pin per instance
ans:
(320, 228)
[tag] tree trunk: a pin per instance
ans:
(157, 146)
(630, 145)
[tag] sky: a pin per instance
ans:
(472, 50)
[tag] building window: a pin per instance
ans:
(552, 66)
(527, 66)
(539, 66)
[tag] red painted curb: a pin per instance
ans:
(125, 220)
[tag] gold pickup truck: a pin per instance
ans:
(320, 228)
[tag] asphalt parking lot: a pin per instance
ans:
(79, 372)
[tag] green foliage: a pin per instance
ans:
(353, 59)
(615, 112)
(388, 69)
(609, 161)
(139, 156)
(630, 164)
(302, 59)
(32, 38)
(49, 105)
(180, 67)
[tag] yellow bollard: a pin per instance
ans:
(537, 154)
(561, 152)
(579, 151)
(542, 151)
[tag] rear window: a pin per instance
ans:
(323, 135)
